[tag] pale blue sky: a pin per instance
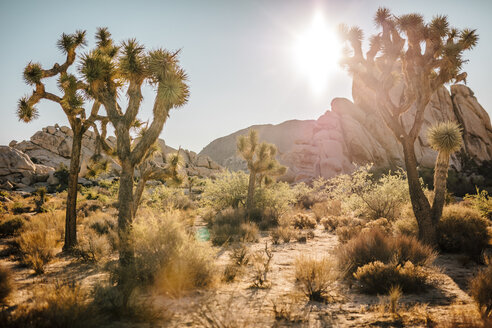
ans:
(238, 55)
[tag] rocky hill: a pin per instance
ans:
(352, 132)
(31, 163)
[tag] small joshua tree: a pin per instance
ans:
(419, 58)
(73, 95)
(261, 162)
(445, 137)
(126, 68)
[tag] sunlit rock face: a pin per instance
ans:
(353, 133)
(33, 161)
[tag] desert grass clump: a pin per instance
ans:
(102, 223)
(282, 234)
(316, 276)
(463, 229)
(40, 238)
(249, 232)
(169, 257)
(239, 258)
(481, 290)
(304, 221)
(377, 277)
(59, 306)
(92, 246)
(375, 245)
(6, 284)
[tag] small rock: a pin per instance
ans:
(51, 129)
(12, 143)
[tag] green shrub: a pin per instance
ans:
(315, 276)
(374, 245)
(166, 198)
(228, 189)
(364, 195)
(482, 202)
(276, 198)
(6, 284)
(167, 256)
(463, 229)
(377, 277)
(11, 225)
(481, 290)
(304, 221)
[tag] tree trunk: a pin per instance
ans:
(251, 191)
(440, 179)
(138, 194)
(125, 214)
(420, 204)
(71, 212)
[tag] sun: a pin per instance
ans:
(317, 52)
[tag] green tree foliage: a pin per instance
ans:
(74, 94)
(110, 70)
(419, 58)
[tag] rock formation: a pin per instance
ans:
(353, 133)
(32, 162)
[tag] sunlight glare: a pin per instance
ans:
(317, 52)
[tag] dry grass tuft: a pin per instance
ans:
(316, 276)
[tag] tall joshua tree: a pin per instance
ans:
(261, 162)
(445, 137)
(107, 76)
(419, 57)
(71, 101)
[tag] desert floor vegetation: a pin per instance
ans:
(282, 264)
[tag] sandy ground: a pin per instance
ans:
(237, 304)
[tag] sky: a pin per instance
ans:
(240, 56)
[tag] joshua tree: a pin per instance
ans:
(418, 58)
(108, 73)
(151, 170)
(71, 101)
(261, 162)
(445, 137)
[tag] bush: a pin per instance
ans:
(102, 223)
(62, 305)
(282, 234)
(315, 276)
(331, 223)
(166, 198)
(374, 245)
(406, 226)
(463, 229)
(6, 284)
(482, 202)
(481, 290)
(92, 246)
(346, 233)
(327, 208)
(229, 189)
(276, 198)
(238, 259)
(11, 225)
(165, 254)
(377, 277)
(304, 221)
(364, 195)
(39, 239)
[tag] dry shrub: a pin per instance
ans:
(261, 267)
(167, 255)
(226, 226)
(11, 225)
(406, 226)
(249, 232)
(481, 290)
(40, 238)
(316, 276)
(92, 246)
(346, 233)
(331, 223)
(62, 305)
(100, 222)
(381, 224)
(463, 229)
(327, 208)
(375, 245)
(463, 318)
(86, 208)
(239, 258)
(303, 221)
(6, 283)
(282, 234)
(377, 277)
